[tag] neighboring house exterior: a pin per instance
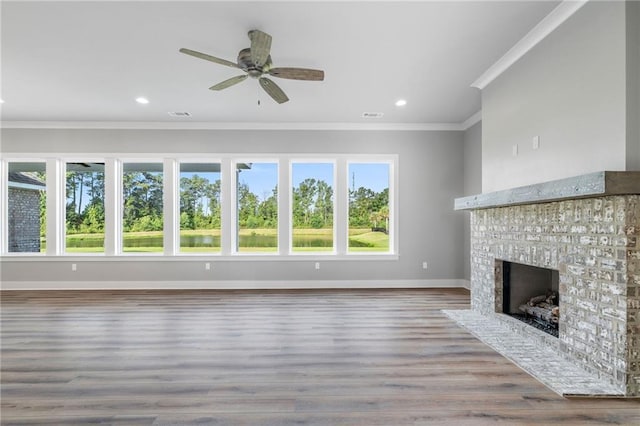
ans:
(25, 190)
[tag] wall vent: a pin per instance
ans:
(179, 114)
(372, 114)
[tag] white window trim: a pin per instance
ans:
(176, 182)
(323, 159)
(166, 161)
(56, 200)
(63, 206)
(392, 203)
(4, 193)
(235, 240)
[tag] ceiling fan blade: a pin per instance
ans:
(273, 90)
(228, 83)
(297, 73)
(260, 47)
(209, 58)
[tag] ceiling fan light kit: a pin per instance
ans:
(255, 61)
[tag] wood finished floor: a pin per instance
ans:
(357, 357)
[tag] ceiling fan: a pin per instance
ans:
(255, 61)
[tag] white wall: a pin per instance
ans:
(570, 90)
(430, 177)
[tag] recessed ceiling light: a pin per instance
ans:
(1, 101)
(142, 100)
(401, 102)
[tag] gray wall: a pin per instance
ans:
(472, 164)
(430, 177)
(570, 90)
(633, 85)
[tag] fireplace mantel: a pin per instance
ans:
(590, 185)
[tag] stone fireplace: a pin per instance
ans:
(588, 230)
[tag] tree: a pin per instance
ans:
(303, 200)
(367, 208)
(142, 201)
(212, 194)
(84, 215)
(247, 207)
(268, 210)
(324, 205)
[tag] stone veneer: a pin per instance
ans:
(595, 245)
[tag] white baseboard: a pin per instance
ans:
(230, 285)
(466, 284)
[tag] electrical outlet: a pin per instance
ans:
(74, 267)
(536, 142)
(317, 265)
(207, 266)
(425, 265)
(514, 150)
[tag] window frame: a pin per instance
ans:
(114, 203)
(63, 213)
(168, 205)
(314, 160)
(51, 209)
(392, 202)
(235, 237)
(175, 208)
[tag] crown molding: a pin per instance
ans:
(149, 125)
(475, 118)
(550, 22)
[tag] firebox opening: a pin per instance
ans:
(530, 294)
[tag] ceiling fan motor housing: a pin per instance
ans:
(245, 63)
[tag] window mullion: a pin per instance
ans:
(341, 207)
(112, 207)
(228, 223)
(4, 213)
(55, 206)
(171, 236)
(284, 206)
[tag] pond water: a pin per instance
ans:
(214, 241)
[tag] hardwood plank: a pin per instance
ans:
(370, 357)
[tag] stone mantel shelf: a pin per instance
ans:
(583, 186)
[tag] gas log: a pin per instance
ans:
(544, 307)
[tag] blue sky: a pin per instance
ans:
(374, 176)
(263, 177)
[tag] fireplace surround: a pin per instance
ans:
(588, 229)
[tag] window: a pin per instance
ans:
(341, 205)
(26, 205)
(312, 207)
(84, 211)
(369, 207)
(257, 207)
(142, 219)
(200, 207)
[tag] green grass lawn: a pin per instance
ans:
(374, 241)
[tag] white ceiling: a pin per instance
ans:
(87, 61)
